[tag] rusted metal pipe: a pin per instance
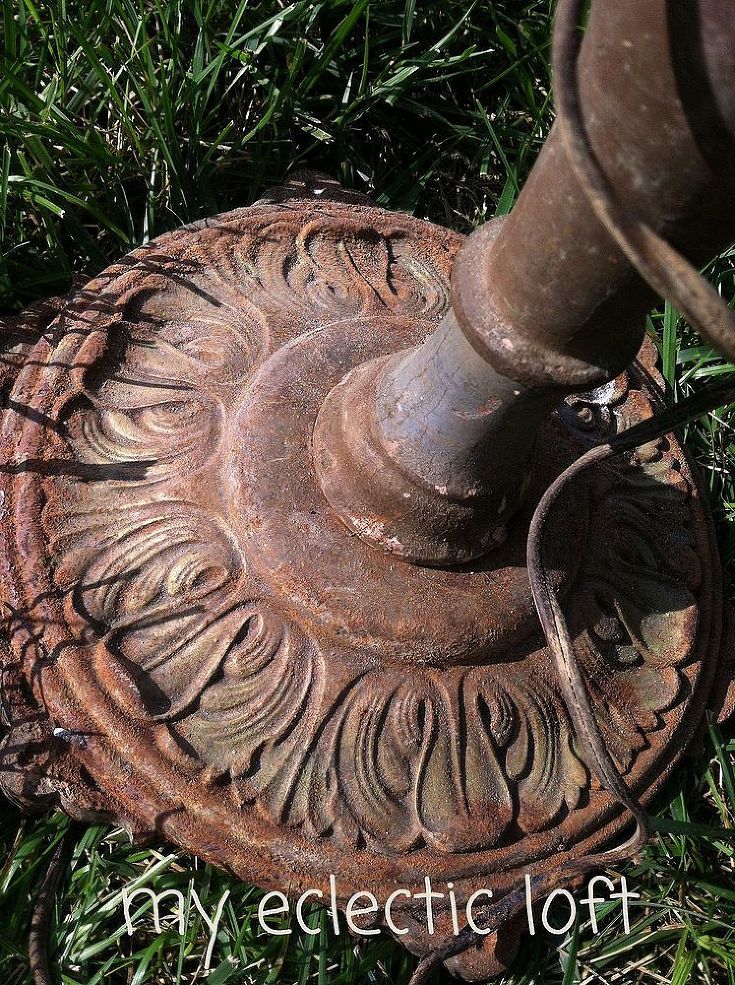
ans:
(426, 454)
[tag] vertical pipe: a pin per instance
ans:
(546, 301)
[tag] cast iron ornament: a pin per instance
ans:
(206, 653)
(200, 647)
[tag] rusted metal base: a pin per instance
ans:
(197, 647)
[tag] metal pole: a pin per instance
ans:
(426, 454)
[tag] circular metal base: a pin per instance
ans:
(198, 648)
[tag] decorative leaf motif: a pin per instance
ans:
(635, 607)
(145, 443)
(401, 762)
(340, 269)
(458, 759)
(263, 704)
(156, 583)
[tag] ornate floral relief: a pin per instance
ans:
(145, 444)
(156, 584)
(636, 611)
(394, 763)
(441, 762)
(327, 270)
(212, 340)
(637, 617)
(456, 758)
(257, 718)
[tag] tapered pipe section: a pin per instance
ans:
(426, 454)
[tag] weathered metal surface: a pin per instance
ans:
(547, 302)
(655, 87)
(205, 652)
(450, 445)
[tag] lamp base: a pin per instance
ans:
(198, 648)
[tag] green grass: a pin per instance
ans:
(122, 119)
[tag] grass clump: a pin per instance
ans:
(122, 119)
